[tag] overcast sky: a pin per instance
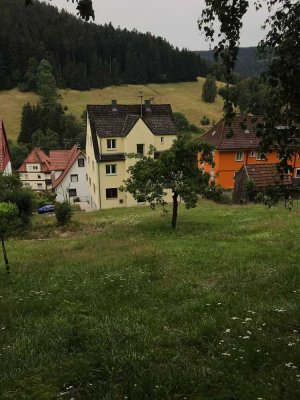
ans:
(175, 20)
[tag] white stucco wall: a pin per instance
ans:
(8, 169)
(81, 186)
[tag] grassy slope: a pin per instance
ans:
(118, 306)
(184, 97)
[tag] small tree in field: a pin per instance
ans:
(8, 216)
(63, 212)
(176, 169)
(209, 91)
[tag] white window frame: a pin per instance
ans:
(259, 157)
(242, 156)
(296, 172)
(253, 154)
(109, 144)
(39, 185)
(111, 167)
(74, 176)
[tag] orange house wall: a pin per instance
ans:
(226, 166)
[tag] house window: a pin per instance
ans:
(72, 192)
(253, 154)
(48, 182)
(140, 149)
(239, 156)
(112, 193)
(74, 178)
(260, 156)
(111, 169)
(162, 140)
(39, 176)
(35, 168)
(40, 185)
(80, 162)
(297, 173)
(26, 176)
(111, 144)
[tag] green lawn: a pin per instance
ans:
(184, 97)
(118, 306)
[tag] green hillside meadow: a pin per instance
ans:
(119, 306)
(184, 97)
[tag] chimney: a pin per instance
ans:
(148, 105)
(114, 105)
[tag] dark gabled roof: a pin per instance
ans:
(107, 122)
(264, 175)
(240, 135)
(37, 156)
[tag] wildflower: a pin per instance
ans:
(291, 344)
(227, 331)
(248, 319)
(226, 354)
(234, 318)
(249, 333)
(246, 337)
(219, 304)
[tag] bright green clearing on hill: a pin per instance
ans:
(119, 306)
(184, 97)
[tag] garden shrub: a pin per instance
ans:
(63, 213)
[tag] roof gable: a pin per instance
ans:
(72, 154)
(241, 134)
(37, 156)
(4, 148)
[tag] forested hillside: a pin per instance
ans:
(84, 55)
(248, 62)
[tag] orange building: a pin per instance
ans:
(235, 146)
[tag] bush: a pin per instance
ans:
(63, 213)
(250, 190)
(259, 198)
(205, 120)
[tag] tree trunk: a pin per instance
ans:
(175, 210)
(5, 255)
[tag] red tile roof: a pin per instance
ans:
(240, 135)
(37, 156)
(4, 148)
(264, 175)
(72, 157)
(59, 159)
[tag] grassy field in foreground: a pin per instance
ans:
(184, 97)
(118, 306)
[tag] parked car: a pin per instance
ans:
(46, 209)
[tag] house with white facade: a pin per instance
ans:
(5, 161)
(69, 179)
(35, 171)
(62, 172)
(113, 132)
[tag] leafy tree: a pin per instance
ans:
(84, 8)
(176, 170)
(8, 216)
(46, 84)
(18, 154)
(209, 90)
(11, 191)
(183, 125)
(282, 46)
(47, 141)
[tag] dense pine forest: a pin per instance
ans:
(84, 55)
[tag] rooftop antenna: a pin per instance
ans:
(141, 95)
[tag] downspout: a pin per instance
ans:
(98, 171)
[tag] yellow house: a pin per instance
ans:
(113, 132)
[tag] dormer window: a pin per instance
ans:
(111, 144)
(260, 157)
